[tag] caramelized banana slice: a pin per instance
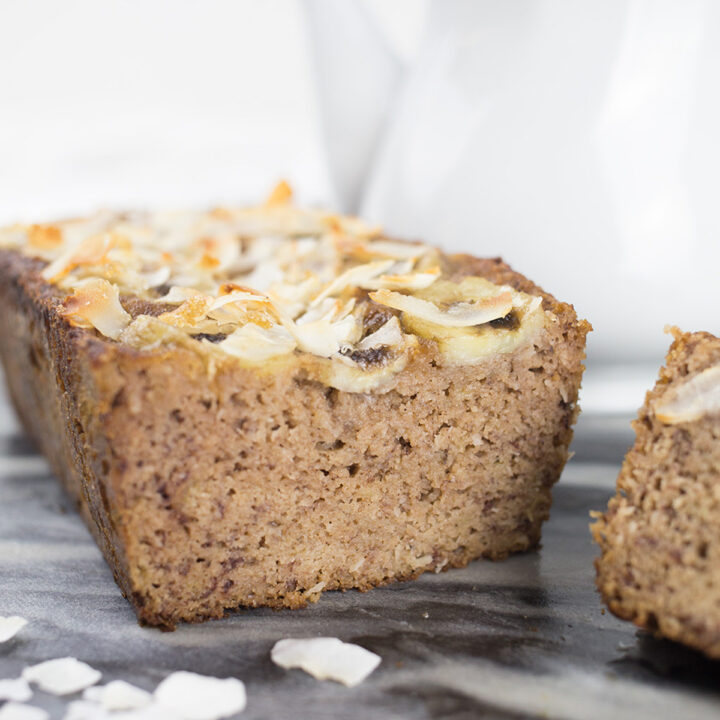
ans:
(468, 320)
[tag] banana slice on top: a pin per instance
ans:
(469, 319)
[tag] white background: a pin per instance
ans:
(140, 103)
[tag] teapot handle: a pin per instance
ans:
(357, 78)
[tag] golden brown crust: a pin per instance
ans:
(660, 536)
(279, 283)
(212, 488)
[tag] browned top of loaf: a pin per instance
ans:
(276, 285)
(25, 270)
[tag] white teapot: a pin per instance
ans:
(579, 141)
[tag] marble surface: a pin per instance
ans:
(523, 638)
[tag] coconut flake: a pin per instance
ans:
(155, 278)
(189, 316)
(17, 690)
(354, 277)
(325, 328)
(62, 676)
(281, 194)
(324, 338)
(375, 249)
(388, 334)
(256, 344)
(293, 298)
(97, 302)
(177, 294)
(264, 274)
(14, 236)
(86, 710)
(20, 711)
(326, 658)
(397, 250)
(91, 250)
(460, 314)
(403, 281)
(238, 296)
(200, 697)
(693, 399)
(317, 338)
(118, 695)
(11, 626)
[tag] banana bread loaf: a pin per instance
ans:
(660, 536)
(253, 406)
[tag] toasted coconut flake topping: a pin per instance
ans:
(11, 626)
(281, 195)
(693, 399)
(257, 344)
(404, 281)
(326, 658)
(354, 277)
(91, 251)
(388, 335)
(283, 278)
(61, 676)
(178, 295)
(44, 237)
(460, 314)
(97, 302)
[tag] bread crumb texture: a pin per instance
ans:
(281, 402)
(660, 535)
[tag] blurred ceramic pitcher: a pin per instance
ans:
(579, 141)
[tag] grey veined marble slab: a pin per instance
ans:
(522, 638)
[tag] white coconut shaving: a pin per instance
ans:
(355, 276)
(97, 302)
(17, 690)
(85, 710)
(404, 280)
(89, 710)
(691, 400)
(388, 335)
(257, 344)
(118, 695)
(326, 658)
(11, 626)
(20, 711)
(62, 676)
(200, 697)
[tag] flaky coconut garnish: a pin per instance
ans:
(267, 282)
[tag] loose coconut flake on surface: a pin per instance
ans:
(199, 697)
(19, 711)
(11, 626)
(88, 710)
(326, 658)
(17, 690)
(118, 695)
(62, 676)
